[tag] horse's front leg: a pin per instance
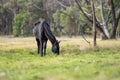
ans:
(41, 47)
(44, 46)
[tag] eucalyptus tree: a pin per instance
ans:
(110, 14)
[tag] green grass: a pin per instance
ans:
(72, 64)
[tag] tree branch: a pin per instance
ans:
(67, 15)
(98, 25)
(64, 6)
(38, 7)
(83, 11)
(118, 18)
(109, 16)
(88, 2)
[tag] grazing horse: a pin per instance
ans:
(42, 33)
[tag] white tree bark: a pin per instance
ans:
(105, 25)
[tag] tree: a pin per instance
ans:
(112, 14)
(107, 15)
(115, 19)
(6, 17)
(68, 19)
(94, 25)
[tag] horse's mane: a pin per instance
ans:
(48, 32)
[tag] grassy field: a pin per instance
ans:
(77, 61)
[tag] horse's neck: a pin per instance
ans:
(52, 39)
(53, 42)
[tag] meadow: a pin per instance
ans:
(77, 60)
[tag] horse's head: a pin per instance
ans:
(55, 47)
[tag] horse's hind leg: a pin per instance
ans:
(44, 46)
(41, 47)
(38, 45)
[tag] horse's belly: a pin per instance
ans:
(43, 36)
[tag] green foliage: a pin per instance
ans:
(68, 18)
(71, 18)
(19, 23)
(27, 14)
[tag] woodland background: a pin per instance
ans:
(66, 17)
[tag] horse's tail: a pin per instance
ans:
(48, 31)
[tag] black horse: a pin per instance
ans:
(42, 33)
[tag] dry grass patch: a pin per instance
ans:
(7, 43)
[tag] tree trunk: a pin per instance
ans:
(114, 26)
(94, 24)
(105, 25)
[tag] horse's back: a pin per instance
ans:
(38, 31)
